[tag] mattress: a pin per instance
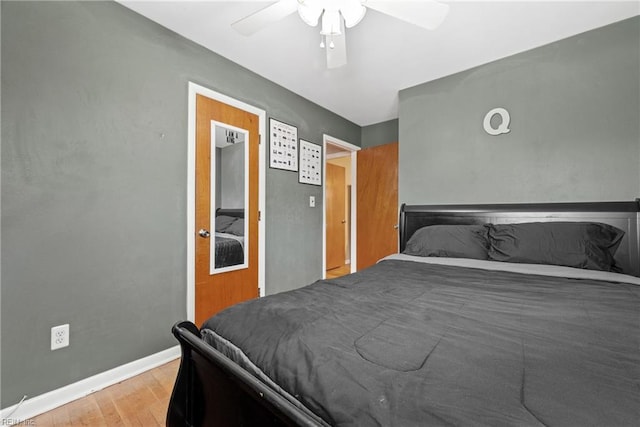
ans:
(408, 343)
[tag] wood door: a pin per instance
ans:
(214, 292)
(335, 227)
(377, 198)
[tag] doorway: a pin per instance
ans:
(225, 212)
(339, 244)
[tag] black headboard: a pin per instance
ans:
(623, 215)
(230, 212)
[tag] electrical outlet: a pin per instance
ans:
(59, 336)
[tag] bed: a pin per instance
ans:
(440, 334)
(229, 237)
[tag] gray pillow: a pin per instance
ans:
(223, 222)
(456, 241)
(237, 227)
(587, 245)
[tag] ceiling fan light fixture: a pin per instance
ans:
(352, 11)
(337, 15)
(330, 23)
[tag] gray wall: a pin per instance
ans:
(380, 133)
(94, 129)
(232, 176)
(218, 171)
(575, 136)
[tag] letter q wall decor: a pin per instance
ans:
(503, 126)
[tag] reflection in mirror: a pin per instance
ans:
(229, 193)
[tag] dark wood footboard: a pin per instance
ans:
(212, 390)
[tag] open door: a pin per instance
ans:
(226, 206)
(336, 220)
(377, 188)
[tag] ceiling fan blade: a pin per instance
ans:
(262, 18)
(427, 14)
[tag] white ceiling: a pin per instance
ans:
(385, 55)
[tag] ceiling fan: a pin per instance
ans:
(335, 15)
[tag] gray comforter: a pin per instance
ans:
(411, 344)
(228, 252)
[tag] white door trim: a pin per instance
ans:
(328, 139)
(195, 89)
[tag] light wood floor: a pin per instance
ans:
(339, 271)
(138, 401)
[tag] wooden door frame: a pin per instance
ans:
(195, 89)
(328, 139)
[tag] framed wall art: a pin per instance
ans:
(283, 146)
(310, 163)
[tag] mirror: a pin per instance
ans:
(229, 198)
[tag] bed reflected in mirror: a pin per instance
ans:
(229, 182)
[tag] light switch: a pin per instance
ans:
(312, 201)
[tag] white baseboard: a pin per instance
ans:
(55, 398)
